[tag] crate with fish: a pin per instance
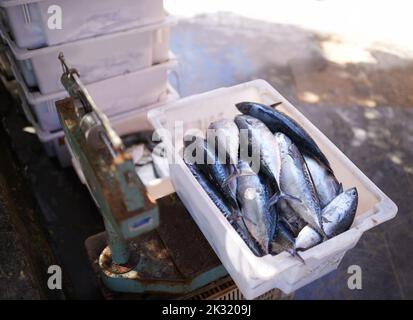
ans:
(282, 223)
(28, 21)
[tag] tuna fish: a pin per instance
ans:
(197, 152)
(295, 180)
(280, 122)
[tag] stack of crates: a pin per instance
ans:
(120, 48)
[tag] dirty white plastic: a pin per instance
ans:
(96, 58)
(115, 95)
(124, 123)
(253, 275)
(28, 20)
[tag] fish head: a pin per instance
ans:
(352, 192)
(252, 108)
(244, 107)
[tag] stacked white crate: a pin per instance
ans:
(121, 49)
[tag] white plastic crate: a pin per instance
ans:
(27, 20)
(113, 96)
(256, 275)
(96, 58)
(124, 123)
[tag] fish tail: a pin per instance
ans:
(279, 196)
(295, 254)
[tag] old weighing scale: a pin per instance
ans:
(150, 247)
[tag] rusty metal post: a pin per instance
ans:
(117, 245)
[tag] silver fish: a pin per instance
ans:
(339, 214)
(224, 134)
(295, 180)
(197, 152)
(307, 238)
(261, 141)
(234, 218)
(280, 122)
(253, 199)
(324, 180)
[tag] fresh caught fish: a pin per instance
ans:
(340, 212)
(324, 180)
(197, 152)
(209, 189)
(225, 135)
(307, 238)
(261, 141)
(295, 180)
(234, 218)
(253, 199)
(280, 122)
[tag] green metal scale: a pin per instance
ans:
(149, 247)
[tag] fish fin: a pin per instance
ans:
(325, 220)
(340, 188)
(275, 105)
(280, 195)
(235, 175)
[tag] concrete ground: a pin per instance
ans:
(363, 107)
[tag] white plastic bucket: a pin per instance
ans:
(32, 23)
(256, 275)
(113, 96)
(96, 58)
